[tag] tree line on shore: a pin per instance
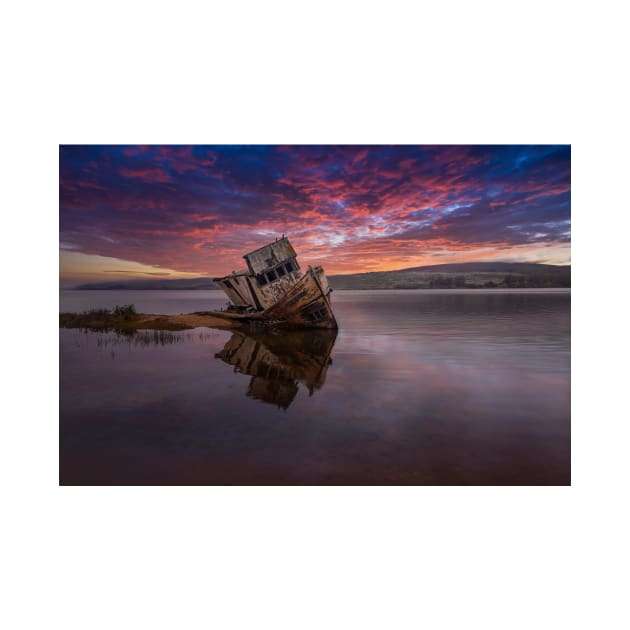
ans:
(510, 281)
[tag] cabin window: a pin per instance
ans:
(288, 266)
(271, 276)
(314, 313)
(281, 271)
(262, 281)
(317, 315)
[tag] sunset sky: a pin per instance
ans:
(185, 211)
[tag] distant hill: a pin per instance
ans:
(489, 267)
(472, 275)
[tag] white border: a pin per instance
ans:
(536, 72)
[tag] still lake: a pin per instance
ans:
(416, 387)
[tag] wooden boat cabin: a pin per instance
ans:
(271, 270)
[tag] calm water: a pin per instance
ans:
(417, 387)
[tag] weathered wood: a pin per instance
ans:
(274, 292)
(304, 305)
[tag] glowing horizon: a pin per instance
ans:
(170, 211)
(78, 267)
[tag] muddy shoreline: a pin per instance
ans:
(144, 321)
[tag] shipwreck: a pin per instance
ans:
(274, 291)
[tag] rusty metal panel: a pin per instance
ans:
(270, 293)
(304, 305)
(322, 279)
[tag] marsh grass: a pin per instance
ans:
(112, 340)
(146, 338)
(125, 320)
(120, 319)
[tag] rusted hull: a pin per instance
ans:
(306, 304)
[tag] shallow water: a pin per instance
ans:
(171, 302)
(417, 387)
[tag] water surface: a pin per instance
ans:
(417, 387)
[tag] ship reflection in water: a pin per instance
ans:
(279, 361)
